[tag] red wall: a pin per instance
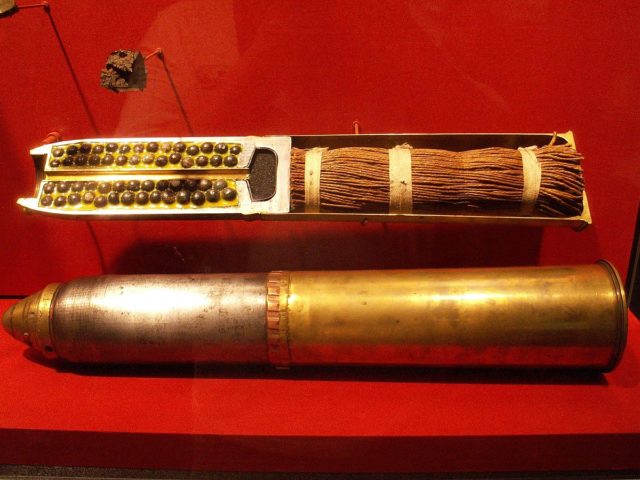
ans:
(268, 67)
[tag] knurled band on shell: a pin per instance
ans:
(278, 320)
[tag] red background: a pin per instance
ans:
(278, 67)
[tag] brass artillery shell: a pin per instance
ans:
(572, 317)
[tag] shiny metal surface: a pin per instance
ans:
(161, 319)
(573, 316)
(506, 317)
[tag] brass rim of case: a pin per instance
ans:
(278, 320)
(621, 314)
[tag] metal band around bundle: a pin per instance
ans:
(313, 167)
(400, 183)
(532, 177)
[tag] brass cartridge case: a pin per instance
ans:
(571, 317)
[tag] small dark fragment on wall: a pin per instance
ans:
(125, 71)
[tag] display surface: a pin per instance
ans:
(511, 317)
(310, 419)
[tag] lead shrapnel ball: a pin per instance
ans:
(88, 197)
(204, 184)
(229, 194)
(155, 196)
(221, 147)
(142, 198)
(183, 197)
(147, 185)
(193, 150)
(127, 198)
(231, 161)
(74, 199)
(198, 198)
(168, 197)
(212, 195)
(191, 184)
(100, 201)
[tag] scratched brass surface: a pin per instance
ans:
(508, 317)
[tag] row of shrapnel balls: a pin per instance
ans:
(152, 153)
(127, 192)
